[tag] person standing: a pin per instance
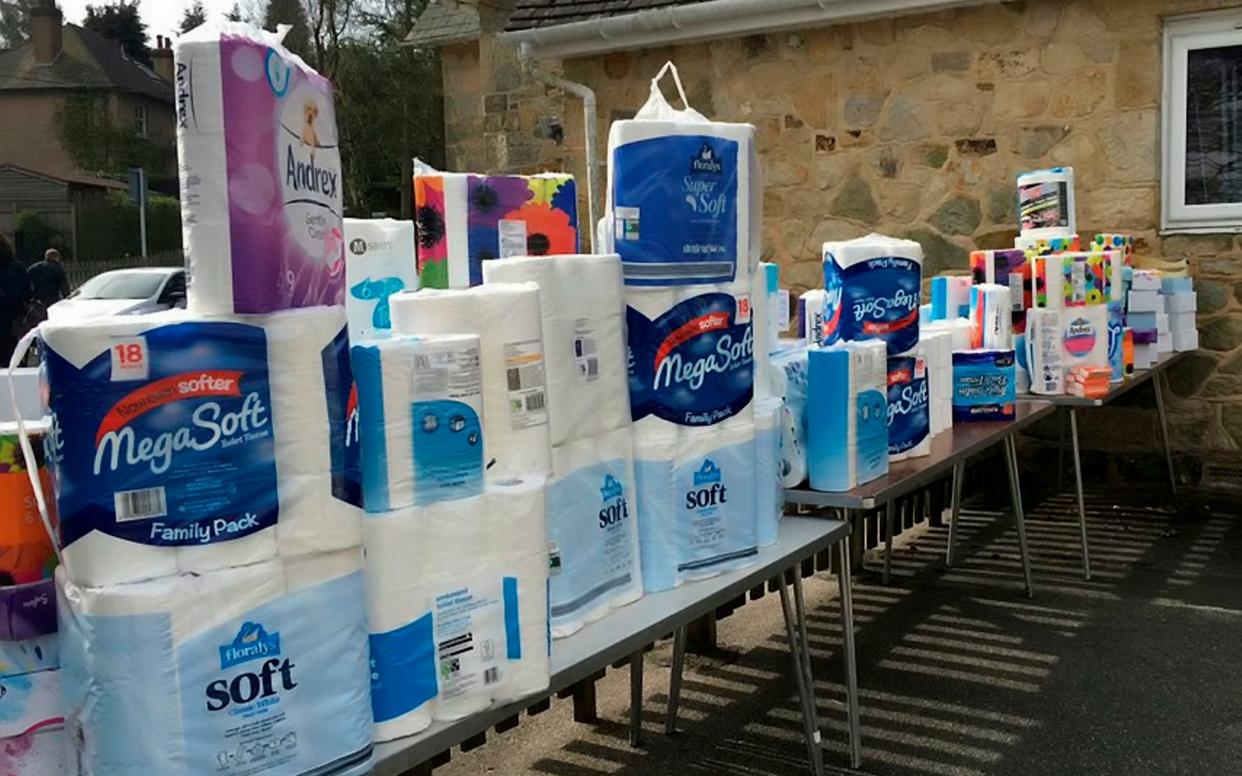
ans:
(48, 280)
(14, 298)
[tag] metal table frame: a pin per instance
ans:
(950, 451)
(627, 631)
(1069, 406)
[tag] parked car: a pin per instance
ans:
(124, 292)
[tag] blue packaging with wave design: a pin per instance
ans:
(909, 409)
(984, 385)
(874, 289)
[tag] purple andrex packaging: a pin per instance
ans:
(260, 170)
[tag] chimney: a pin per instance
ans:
(162, 58)
(46, 32)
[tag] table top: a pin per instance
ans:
(948, 448)
(620, 634)
(1139, 377)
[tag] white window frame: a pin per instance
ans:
(1182, 35)
(141, 118)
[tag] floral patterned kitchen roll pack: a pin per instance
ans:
(464, 220)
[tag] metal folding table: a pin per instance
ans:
(625, 633)
(950, 451)
(1157, 376)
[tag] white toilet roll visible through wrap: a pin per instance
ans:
(874, 286)
(582, 309)
(228, 661)
(592, 530)
(379, 262)
(190, 443)
(420, 406)
(506, 319)
(769, 494)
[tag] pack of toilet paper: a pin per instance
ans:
(593, 523)
(457, 606)
(1116, 341)
(789, 366)
(950, 297)
(936, 348)
(847, 415)
(465, 220)
(1046, 202)
(874, 285)
(909, 408)
(1181, 305)
(960, 331)
(506, 317)
(223, 672)
(1116, 242)
(32, 725)
(685, 195)
(763, 294)
(1044, 352)
(984, 385)
(990, 317)
(1047, 245)
(1084, 336)
(420, 413)
(1075, 279)
(150, 414)
(28, 640)
(379, 262)
(769, 470)
(261, 176)
(582, 308)
(27, 554)
(812, 307)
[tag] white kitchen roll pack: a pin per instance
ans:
(1084, 336)
(685, 194)
(420, 408)
(506, 319)
(1044, 354)
(152, 413)
(874, 287)
(582, 309)
(379, 262)
(201, 674)
(1046, 203)
(593, 523)
(261, 177)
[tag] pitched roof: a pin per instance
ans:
(75, 178)
(445, 22)
(87, 61)
(549, 13)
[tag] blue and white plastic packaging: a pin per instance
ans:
(909, 408)
(1044, 352)
(812, 307)
(769, 493)
(229, 661)
(32, 728)
(990, 317)
(150, 415)
(950, 297)
(874, 287)
(790, 368)
(593, 518)
(984, 385)
(379, 262)
(420, 406)
(847, 415)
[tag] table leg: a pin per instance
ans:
(1060, 448)
(847, 642)
(1082, 509)
(636, 698)
(806, 699)
(804, 649)
(1019, 514)
(955, 508)
(674, 684)
(1158, 385)
(890, 515)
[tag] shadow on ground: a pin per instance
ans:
(1133, 672)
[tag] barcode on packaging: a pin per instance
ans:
(527, 384)
(139, 504)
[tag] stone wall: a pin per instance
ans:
(917, 126)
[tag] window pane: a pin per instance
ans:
(1214, 126)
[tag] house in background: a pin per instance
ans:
(75, 113)
(913, 117)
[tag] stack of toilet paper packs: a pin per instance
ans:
(684, 206)
(206, 463)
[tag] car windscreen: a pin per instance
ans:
(121, 285)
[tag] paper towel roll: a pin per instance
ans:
(420, 406)
(260, 174)
(990, 316)
(279, 642)
(399, 621)
(847, 415)
(874, 285)
(519, 524)
(1046, 202)
(909, 424)
(153, 412)
(592, 531)
(506, 319)
(379, 262)
(769, 494)
(581, 307)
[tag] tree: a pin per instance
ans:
(193, 16)
(14, 21)
(293, 13)
(235, 15)
(120, 21)
(329, 20)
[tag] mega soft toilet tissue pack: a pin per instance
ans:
(507, 320)
(874, 287)
(379, 262)
(151, 414)
(219, 672)
(261, 176)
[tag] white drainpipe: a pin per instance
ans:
(590, 126)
